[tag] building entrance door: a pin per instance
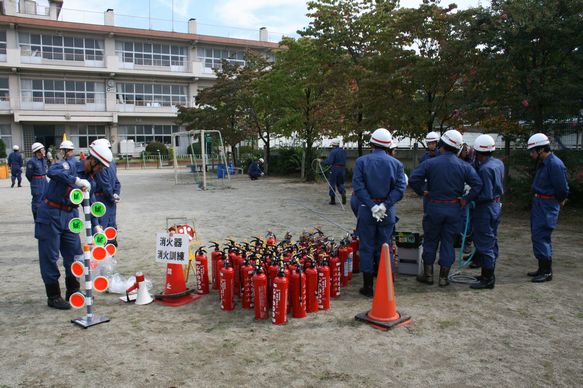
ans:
(46, 135)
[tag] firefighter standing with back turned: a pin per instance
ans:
(550, 189)
(486, 215)
(337, 160)
(444, 201)
(379, 183)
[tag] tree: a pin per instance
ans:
(349, 32)
(301, 96)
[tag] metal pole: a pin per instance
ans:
(203, 157)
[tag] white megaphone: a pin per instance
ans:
(144, 296)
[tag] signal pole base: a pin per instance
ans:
(84, 322)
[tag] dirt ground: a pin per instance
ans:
(518, 334)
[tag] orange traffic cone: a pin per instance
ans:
(384, 315)
(175, 292)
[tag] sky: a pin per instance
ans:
(227, 18)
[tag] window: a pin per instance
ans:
(152, 95)
(60, 48)
(4, 90)
(212, 57)
(147, 54)
(147, 133)
(66, 92)
(6, 136)
(2, 42)
(84, 135)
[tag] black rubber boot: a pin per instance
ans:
(443, 276)
(537, 272)
(546, 272)
(54, 298)
(427, 276)
(367, 282)
(332, 200)
(487, 280)
(72, 286)
(476, 261)
(343, 198)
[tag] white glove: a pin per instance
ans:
(379, 212)
(98, 229)
(116, 198)
(83, 184)
(382, 211)
(262, 174)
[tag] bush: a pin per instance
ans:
(2, 149)
(153, 148)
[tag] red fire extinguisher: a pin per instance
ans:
(202, 272)
(355, 244)
(312, 287)
(334, 275)
(226, 284)
(260, 293)
(215, 256)
(297, 290)
(324, 286)
(246, 285)
(279, 304)
(271, 275)
(270, 238)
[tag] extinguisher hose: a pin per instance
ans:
(457, 276)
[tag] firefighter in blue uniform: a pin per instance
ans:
(440, 180)
(486, 214)
(15, 162)
(432, 151)
(379, 183)
(550, 189)
(54, 214)
(36, 173)
(337, 160)
(254, 171)
(107, 190)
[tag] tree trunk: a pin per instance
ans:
(360, 143)
(267, 152)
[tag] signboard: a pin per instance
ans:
(172, 249)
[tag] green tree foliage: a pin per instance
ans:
(154, 147)
(2, 149)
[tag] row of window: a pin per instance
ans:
(73, 92)
(56, 47)
(83, 135)
(71, 48)
(6, 136)
(151, 94)
(147, 133)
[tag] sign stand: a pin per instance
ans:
(89, 319)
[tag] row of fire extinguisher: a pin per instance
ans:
(299, 277)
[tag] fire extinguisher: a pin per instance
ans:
(324, 285)
(226, 284)
(349, 262)
(334, 275)
(279, 304)
(215, 256)
(260, 293)
(270, 238)
(312, 287)
(297, 288)
(271, 275)
(355, 244)
(246, 285)
(202, 272)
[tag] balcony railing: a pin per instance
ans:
(95, 103)
(38, 56)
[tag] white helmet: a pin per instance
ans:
(453, 138)
(537, 140)
(381, 137)
(102, 153)
(15, 148)
(37, 147)
(261, 160)
(335, 142)
(393, 145)
(102, 141)
(67, 145)
(431, 137)
(485, 143)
